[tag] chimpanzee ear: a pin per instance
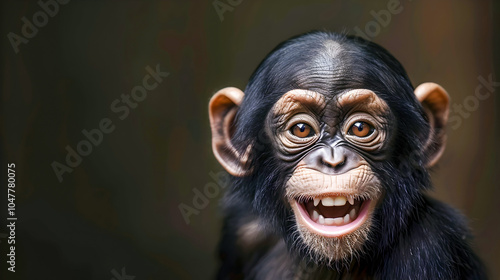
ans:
(435, 101)
(222, 110)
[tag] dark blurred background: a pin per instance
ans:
(117, 213)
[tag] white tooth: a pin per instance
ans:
(328, 201)
(346, 219)
(316, 202)
(352, 214)
(321, 220)
(340, 201)
(338, 221)
(315, 215)
(351, 200)
(329, 221)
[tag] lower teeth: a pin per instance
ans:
(320, 219)
(334, 221)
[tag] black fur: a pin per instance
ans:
(414, 236)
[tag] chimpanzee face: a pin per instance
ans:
(347, 138)
(329, 141)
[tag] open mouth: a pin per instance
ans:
(332, 216)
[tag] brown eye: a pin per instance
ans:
(302, 130)
(361, 129)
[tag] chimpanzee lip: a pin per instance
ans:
(337, 220)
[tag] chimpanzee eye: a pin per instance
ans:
(302, 130)
(361, 129)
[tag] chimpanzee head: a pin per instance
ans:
(329, 144)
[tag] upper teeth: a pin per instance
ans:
(316, 201)
(330, 201)
(351, 200)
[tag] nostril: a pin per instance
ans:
(333, 159)
(326, 163)
(333, 164)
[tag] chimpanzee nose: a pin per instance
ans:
(333, 160)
